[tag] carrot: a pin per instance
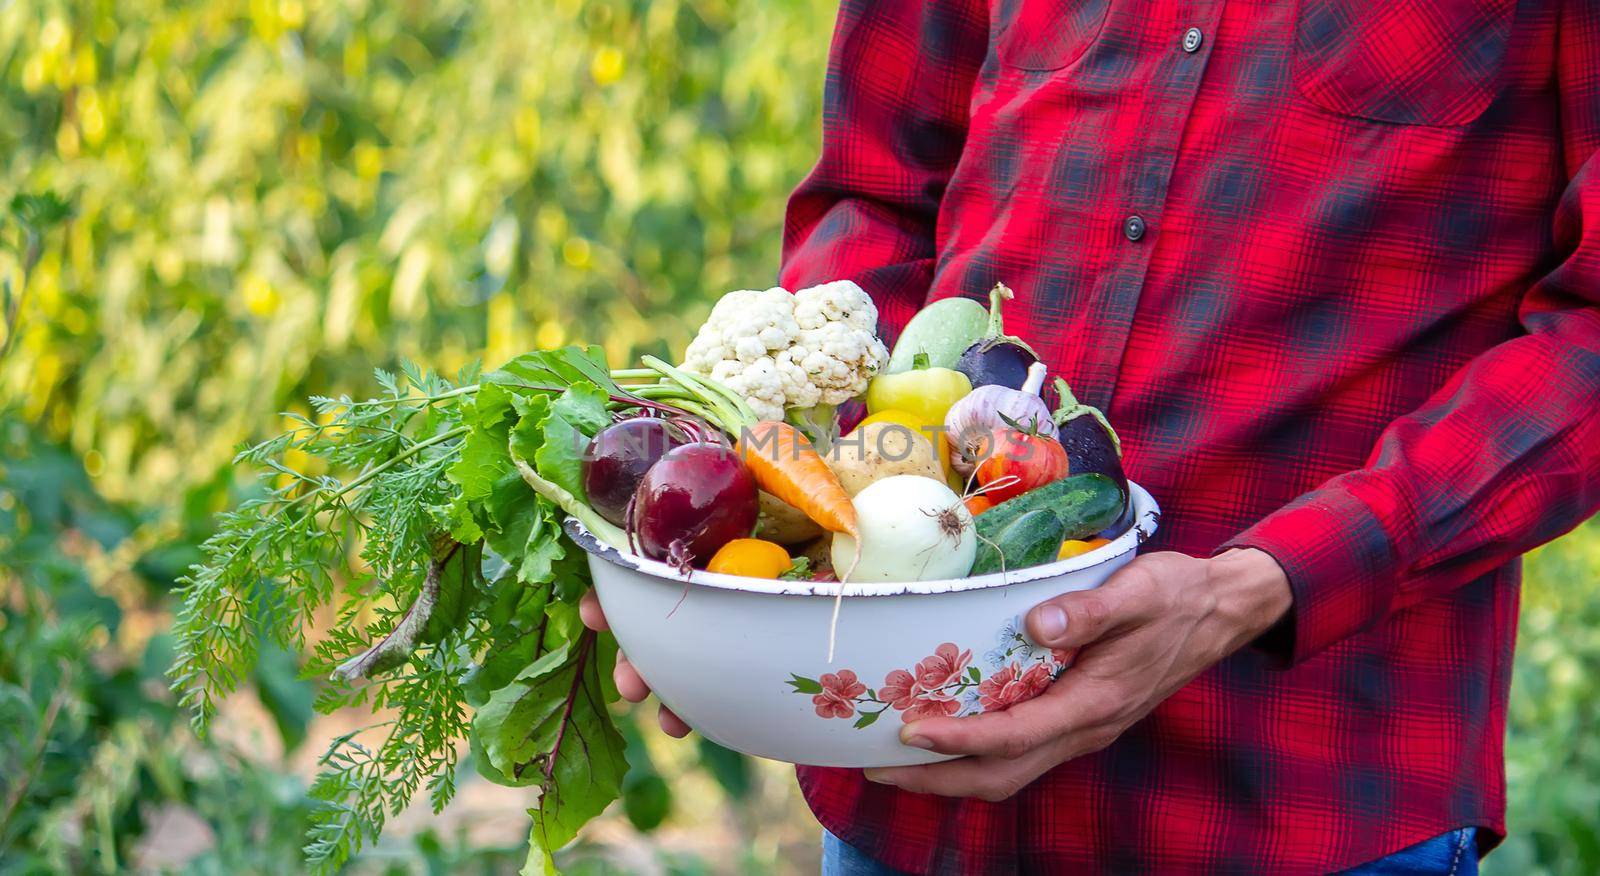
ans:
(780, 457)
(787, 466)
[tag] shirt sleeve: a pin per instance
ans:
(899, 83)
(1506, 456)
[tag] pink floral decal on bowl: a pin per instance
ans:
(838, 696)
(944, 683)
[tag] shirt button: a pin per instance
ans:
(1192, 39)
(1133, 227)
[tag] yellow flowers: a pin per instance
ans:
(551, 334)
(91, 117)
(576, 252)
(259, 297)
(368, 159)
(607, 66)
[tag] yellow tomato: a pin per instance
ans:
(752, 558)
(1073, 547)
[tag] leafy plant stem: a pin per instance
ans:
(734, 414)
(30, 259)
(584, 646)
(692, 405)
(381, 467)
(599, 526)
(41, 740)
(458, 392)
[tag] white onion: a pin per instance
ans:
(913, 528)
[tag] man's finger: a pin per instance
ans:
(985, 778)
(1131, 596)
(591, 614)
(629, 683)
(671, 724)
(1008, 734)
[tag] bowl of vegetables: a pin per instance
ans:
(744, 660)
(792, 591)
(797, 594)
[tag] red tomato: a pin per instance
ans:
(1019, 463)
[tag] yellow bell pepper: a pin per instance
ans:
(1073, 547)
(924, 393)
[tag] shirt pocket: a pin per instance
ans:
(1046, 34)
(1411, 62)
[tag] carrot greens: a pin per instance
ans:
(398, 539)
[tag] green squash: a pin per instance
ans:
(943, 330)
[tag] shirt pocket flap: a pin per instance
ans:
(1046, 34)
(1413, 62)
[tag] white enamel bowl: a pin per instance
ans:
(745, 661)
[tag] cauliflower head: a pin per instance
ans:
(744, 326)
(838, 346)
(815, 348)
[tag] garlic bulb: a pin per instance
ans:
(973, 422)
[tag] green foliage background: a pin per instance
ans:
(274, 196)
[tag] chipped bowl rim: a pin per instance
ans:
(1144, 511)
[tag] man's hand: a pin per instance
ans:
(629, 684)
(1155, 625)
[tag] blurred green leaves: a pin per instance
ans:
(273, 197)
(1553, 745)
(94, 755)
(32, 215)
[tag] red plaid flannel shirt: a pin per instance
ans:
(1356, 324)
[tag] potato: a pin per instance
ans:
(879, 450)
(819, 552)
(784, 523)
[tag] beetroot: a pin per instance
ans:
(617, 458)
(694, 500)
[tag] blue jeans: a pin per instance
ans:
(1452, 854)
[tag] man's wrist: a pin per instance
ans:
(1252, 594)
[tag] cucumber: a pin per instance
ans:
(1030, 540)
(944, 330)
(1085, 504)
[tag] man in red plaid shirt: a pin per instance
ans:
(1332, 267)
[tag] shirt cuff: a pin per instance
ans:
(1340, 562)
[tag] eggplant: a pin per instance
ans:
(997, 359)
(1092, 445)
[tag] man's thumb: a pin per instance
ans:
(1132, 595)
(1071, 620)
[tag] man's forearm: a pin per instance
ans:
(1252, 596)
